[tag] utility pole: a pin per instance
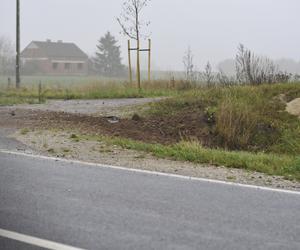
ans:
(129, 63)
(18, 80)
(149, 60)
(138, 69)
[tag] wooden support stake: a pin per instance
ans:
(129, 62)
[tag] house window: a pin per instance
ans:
(54, 66)
(80, 66)
(67, 66)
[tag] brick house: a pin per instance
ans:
(54, 58)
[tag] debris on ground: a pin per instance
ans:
(112, 119)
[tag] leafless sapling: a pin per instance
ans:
(189, 67)
(132, 24)
(208, 74)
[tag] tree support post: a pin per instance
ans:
(138, 69)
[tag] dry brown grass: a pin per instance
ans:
(236, 123)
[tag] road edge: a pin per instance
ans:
(259, 188)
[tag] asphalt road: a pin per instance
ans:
(10, 143)
(102, 208)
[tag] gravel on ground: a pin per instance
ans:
(61, 144)
(99, 107)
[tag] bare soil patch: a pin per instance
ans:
(164, 130)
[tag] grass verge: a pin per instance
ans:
(271, 164)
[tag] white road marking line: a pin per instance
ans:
(35, 241)
(151, 172)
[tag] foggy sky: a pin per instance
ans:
(213, 28)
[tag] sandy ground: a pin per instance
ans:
(293, 107)
(60, 144)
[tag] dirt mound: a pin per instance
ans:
(293, 107)
(189, 124)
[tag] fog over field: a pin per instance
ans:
(213, 28)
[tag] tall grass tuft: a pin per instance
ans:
(239, 116)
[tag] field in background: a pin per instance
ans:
(67, 88)
(70, 80)
(62, 81)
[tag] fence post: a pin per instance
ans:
(172, 82)
(8, 82)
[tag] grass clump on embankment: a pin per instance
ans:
(249, 126)
(248, 118)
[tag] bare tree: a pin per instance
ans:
(208, 74)
(189, 67)
(254, 69)
(132, 24)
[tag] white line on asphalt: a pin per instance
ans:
(151, 172)
(35, 241)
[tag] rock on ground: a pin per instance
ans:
(293, 107)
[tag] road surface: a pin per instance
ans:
(93, 207)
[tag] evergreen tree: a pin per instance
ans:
(108, 57)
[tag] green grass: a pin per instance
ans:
(12, 100)
(271, 164)
(100, 89)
